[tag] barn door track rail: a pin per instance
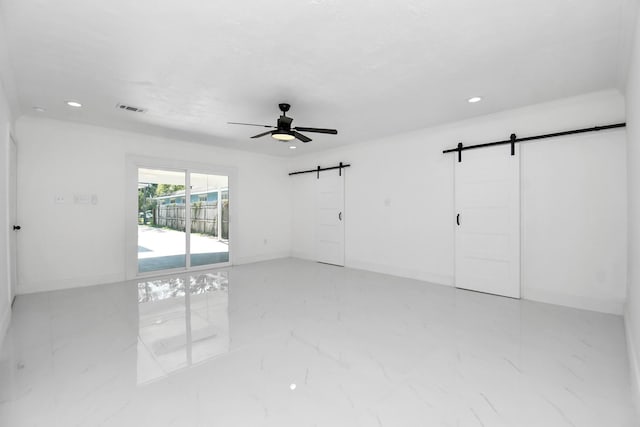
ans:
(514, 139)
(319, 169)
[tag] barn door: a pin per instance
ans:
(487, 201)
(330, 217)
(13, 219)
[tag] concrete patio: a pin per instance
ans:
(162, 249)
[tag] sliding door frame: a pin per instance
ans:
(135, 162)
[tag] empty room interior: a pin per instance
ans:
(319, 213)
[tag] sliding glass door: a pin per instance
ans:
(209, 243)
(183, 219)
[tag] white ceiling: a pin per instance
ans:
(368, 68)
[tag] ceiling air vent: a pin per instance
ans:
(130, 108)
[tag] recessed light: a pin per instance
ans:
(474, 99)
(292, 386)
(292, 147)
(39, 109)
(75, 104)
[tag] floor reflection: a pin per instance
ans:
(180, 325)
(363, 349)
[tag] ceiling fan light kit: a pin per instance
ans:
(283, 131)
(282, 135)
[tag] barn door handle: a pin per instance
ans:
(340, 216)
(458, 219)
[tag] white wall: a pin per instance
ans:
(632, 314)
(574, 216)
(5, 226)
(68, 245)
(400, 205)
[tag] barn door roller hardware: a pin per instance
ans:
(319, 169)
(513, 140)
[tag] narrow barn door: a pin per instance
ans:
(487, 200)
(330, 217)
(13, 219)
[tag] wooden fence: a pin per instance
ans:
(204, 217)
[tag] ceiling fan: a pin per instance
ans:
(283, 131)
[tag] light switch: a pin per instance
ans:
(81, 198)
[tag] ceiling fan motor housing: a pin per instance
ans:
(284, 123)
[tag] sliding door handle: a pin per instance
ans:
(340, 216)
(458, 219)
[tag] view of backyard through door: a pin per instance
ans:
(183, 219)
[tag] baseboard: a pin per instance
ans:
(5, 319)
(260, 258)
(633, 362)
(611, 306)
(391, 270)
(69, 283)
(302, 255)
(408, 273)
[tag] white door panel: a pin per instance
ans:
(487, 193)
(487, 198)
(13, 218)
(487, 275)
(327, 217)
(330, 218)
(482, 245)
(487, 220)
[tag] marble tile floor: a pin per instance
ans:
(295, 343)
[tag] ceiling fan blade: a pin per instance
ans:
(317, 130)
(301, 137)
(251, 124)
(262, 134)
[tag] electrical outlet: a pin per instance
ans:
(58, 199)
